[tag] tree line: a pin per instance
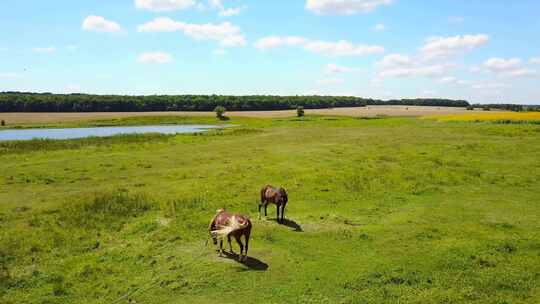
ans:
(509, 107)
(48, 102)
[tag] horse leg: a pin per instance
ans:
(221, 247)
(230, 244)
(265, 209)
(239, 241)
(277, 213)
(247, 246)
(282, 212)
(260, 211)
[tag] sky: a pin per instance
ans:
(480, 51)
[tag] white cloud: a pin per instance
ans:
(452, 80)
(9, 75)
(342, 48)
(226, 12)
(330, 48)
(512, 67)
(227, 34)
(448, 46)
(229, 12)
(100, 24)
(394, 60)
(344, 7)
(522, 72)
(72, 47)
(337, 69)
(271, 42)
(397, 65)
(163, 5)
(423, 64)
(45, 50)
(502, 65)
(217, 4)
(448, 80)
(535, 60)
(419, 70)
(489, 86)
(330, 81)
(155, 57)
(379, 27)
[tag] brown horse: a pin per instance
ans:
(277, 196)
(225, 224)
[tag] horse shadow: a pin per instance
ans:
(251, 262)
(291, 224)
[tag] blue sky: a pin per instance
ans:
(482, 51)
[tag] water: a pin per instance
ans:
(71, 133)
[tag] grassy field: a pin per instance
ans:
(369, 111)
(388, 210)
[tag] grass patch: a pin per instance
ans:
(35, 145)
(109, 210)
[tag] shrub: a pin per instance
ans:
(300, 111)
(470, 108)
(220, 112)
(3, 122)
(107, 210)
(487, 109)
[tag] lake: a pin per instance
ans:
(71, 133)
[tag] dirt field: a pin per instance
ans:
(358, 111)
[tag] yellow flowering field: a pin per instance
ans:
(490, 117)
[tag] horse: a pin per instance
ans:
(277, 196)
(225, 224)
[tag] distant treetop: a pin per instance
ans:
(48, 102)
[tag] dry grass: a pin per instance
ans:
(21, 118)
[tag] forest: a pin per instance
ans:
(48, 102)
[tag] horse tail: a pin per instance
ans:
(263, 194)
(232, 225)
(284, 195)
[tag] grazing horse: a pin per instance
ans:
(225, 224)
(276, 196)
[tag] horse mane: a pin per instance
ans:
(212, 222)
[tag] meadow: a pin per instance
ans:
(381, 210)
(32, 119)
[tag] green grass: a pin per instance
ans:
(389, 210)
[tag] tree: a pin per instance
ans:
(220, 112)
(47, 102)
(300, 111)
